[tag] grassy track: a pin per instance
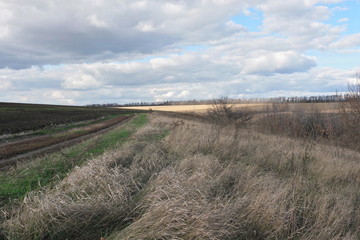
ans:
(48, 170)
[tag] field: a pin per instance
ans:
(17, 118)
(18, 147)
(192, 108)
(37, 128)
(254, 107)
(278, 172)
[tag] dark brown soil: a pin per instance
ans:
(17, 118)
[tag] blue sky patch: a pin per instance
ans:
(348, 14)
(252, 22)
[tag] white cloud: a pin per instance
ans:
(313, 82)
(342, 20)
(80, 80)
(133, 50)
(302, 22)
(313, 2)
(145, 26)
(264, 63)
(138, 5)
(232, 26)
(5, 16)
(53, 31)
(60, 97)
(173, 9)
(184, 94)
(94, 20)
(5, 85)
(348, 41)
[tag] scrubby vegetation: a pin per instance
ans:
(335, 124)
(180, 177)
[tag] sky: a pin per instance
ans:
(123, 51)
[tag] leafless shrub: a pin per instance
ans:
(222, 111)
(221, 108)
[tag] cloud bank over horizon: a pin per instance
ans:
(97, 51)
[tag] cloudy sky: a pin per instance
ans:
(104, 51)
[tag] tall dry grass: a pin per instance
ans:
(94, 199)
(202, 181)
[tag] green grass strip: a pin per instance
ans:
(14, 184)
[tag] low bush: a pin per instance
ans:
(223, 112)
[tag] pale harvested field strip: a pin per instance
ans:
(254, 107)
(191, 108)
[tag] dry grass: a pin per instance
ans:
(201, 182)
(93, 199)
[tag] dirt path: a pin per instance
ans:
(37, 146)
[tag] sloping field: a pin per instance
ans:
(16, 118)
(184, 179)
(18, 147)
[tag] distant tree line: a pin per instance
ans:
(296, 99)
(311, 99)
